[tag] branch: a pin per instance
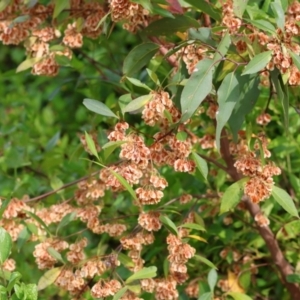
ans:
(278, 258)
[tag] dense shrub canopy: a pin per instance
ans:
(149, 149)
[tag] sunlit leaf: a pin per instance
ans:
(59, 6)
(239, 296)
(222, 48)
(201, 164)
(55, 254)
(120, 293)
(98, 107)
(144, 273)
(239, 7)
(14, 278)
(198, 238)
(233, 284)
(169, 224)
(5, 245)
(48, 278)
(279, 14)
(212, 279)
(138, 103)
(285, 201)
(258, 62)
(197, 88)
(263, 25)
(138, 83)
(31, 291)
(28, 63)
(290, 230)
(193, 226)
(206, 296)
(228, 95)
(205, 261)
(139, 57)
(91, 144)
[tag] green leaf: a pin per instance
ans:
(125, 260)
(19, 290)
(4, 4)
(91, 144)
(120, 293)
(123, 101)
(205, 261)
(263, 25)
(193, 226)
(23, 237)
(232, 195)
(31, 291)
(39, 220)
(109, 147)
(293, 278)
(212, 279)
(169, 224)
(197, 88)
(144, 273)
(239, 7)
(6, 244)
(222, 48)
(28, 63)
(168, 26)
(201, 164)
(296, 58)
(135, 288)
(48, 278)
(138, 83)
(206, 296)
(258, 62)
(239, 296)
(98, 107)
(137, 103)
(285, 201)
(228, 95)
(55, 254)
(139, 57)
(249, 93)
(4, 206)
(153, 76)
(124, 183)
(202, 34)
(59, 6)
(279, 14)
(68, 218)
(181, 136)
(207, 8)
(289, 231)
(14, 278)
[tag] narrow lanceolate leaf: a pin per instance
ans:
(222, 48)
(197, 237)
(55, 254)
(193, 226)
(28, 63)
(258, 62)
(206, 296)
(169, 224)
(110, 147)
(279, 14)
(263, 25)
(124, 183)
(232, 196)
(4, 206)
(91, 144)
(68, 218)
(168, 26)
(201, 164)
(138, 83)
(139, 57)
(228, 95)
(296, 59)
(239, 7)
(196, 89)
(285, 201)
(212, 279)
(59, 6)
(137, 103)
(48, 278)
(249, 93)
(98, 107)
(207, 8)
(205, 261)
(239, 296)
(39, 220)
(6, 244)
(120, 293)
(144, 273)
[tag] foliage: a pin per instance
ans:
(155, 155)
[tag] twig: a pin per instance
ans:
(219, 165)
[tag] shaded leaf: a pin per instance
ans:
(207, 8)
(228, 95)
(23, 237)
(201, 164)
(169, 224)
(59, 6)
(263, 25)
(285, 201)
(258, 62)
(296, 58)
(202, 34)
(48, 278)
(39, 220)
(4, 206)
(125, 260)
(279, 14)
(206, 296)
(222, 48)
(6, 244)
(68, 218)
(120, 293)
(98, 107)
(139, 57)
(144, 273)
(232, 195)
(197, 88)
(14, 278)
(205, 261)
(293, 278)
(239, 296)
(55, 254)
(109, 147)
(91, 144)
(123, 101)
(137, 103)
(168, 26)
(138, 83)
